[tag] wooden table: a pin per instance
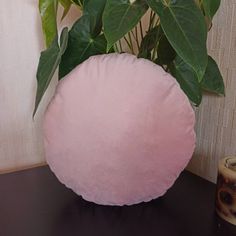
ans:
(34, 203)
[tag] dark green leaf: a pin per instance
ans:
(120, 16)
(94, 8)
(149, 42)
(66, 5)
(212, 80)
(81, 45)
(166, 54)
(48, 63)
(184, 26)
(210, 7)
(48, 12)
(187, 79)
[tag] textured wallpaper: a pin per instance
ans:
(20, 44)
(216, 117)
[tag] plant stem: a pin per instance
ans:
(154, 16)
(116, 47)
(151, 19)
(141, 28)
(121, 49)
(127, 41)
(81, 5)
(157, 22)
(135, 38)
(154, 53)
(131, 43)
(133, 34)
(136, 34)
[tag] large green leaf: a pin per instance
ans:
(94, 8)
(184, 26)
(120, 16)
(210, 7)
(66, 5)
(166, 54)
(48, 12)
(81, 45)
(48, 63)
(149, 42)
(187, 79)
(212, 80)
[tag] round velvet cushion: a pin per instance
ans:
(119, 130)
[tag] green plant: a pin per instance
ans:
(175, 39)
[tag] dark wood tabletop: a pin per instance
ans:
(34, 203)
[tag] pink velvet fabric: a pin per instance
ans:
(119, 130)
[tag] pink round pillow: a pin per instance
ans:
(119, 130)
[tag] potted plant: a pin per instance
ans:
(175, 39)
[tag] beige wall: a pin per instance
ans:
(216, 118)
(21, 42)
(20, 45)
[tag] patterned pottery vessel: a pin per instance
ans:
(226, 190)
